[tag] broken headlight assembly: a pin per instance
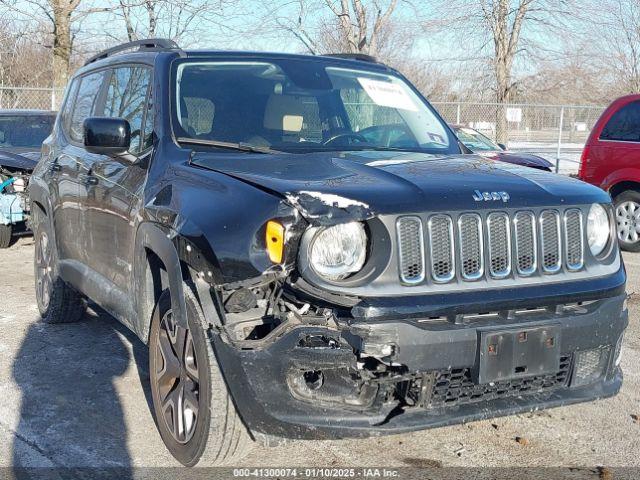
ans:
(339, 251)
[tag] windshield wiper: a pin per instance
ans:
(241, 146)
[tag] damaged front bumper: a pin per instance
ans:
(352, 377)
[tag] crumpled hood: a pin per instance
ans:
(20, 158)
(365, 183)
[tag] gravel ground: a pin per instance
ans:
(72, 395)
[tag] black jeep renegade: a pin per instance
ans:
(308, 254)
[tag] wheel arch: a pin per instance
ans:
(156, 261)
(162, 261)
(622, 186)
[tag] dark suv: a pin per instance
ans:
(295, 278)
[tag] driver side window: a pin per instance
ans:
(127, 98)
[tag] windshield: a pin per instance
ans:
(25, 131)
(475, 141)
(303, 106)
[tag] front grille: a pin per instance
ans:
(573, 239)
(550, 240)
(441, 248)
(471, 252)
(456, 387)
(496, 245)
(526, 244)
(499, 245)
(411, 242)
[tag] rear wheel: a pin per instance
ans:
(628, 220)
(5, 235)
(57, 301)
(194, 411)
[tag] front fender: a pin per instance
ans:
(157, 239)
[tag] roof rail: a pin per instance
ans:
(354, 56)
(145, 44)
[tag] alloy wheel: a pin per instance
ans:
(628, 219)
(177, 379)
(44, 280)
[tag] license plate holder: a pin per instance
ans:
(518, 353)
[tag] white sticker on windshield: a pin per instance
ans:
(388, 94)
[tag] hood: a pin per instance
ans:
(367, 183)
(20, 158)
(524, 159)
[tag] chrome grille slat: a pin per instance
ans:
(573, 239)
(471, 246)
(526, 243)
(441, 251)
(499, 238)
(411, 249)
(487, 245)
(550, 241)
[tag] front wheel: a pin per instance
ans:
(628, 220)
(194, 411)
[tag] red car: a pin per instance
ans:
(611, 160)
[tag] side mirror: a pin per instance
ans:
(502, 146)
(107, 136)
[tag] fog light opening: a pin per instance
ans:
(590, 365)
(313, 379)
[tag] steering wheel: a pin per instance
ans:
(355, 136)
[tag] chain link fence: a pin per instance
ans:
(30, 98)
(555, 132)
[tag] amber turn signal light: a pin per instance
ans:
(275, 241)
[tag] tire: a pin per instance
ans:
(215, 434)
(5, 235)
(627, 206)
(57, 301)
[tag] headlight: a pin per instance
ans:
(339, 251)
(598, 229)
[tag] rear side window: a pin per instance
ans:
(127, 98)
(85, 103)
(624, 125)
(67, 110)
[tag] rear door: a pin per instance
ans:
(618, 145)
(69, 168)
(115, 184)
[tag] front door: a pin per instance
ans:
(69, 167)
(115, 184)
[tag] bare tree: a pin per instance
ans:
(60, 13)
(504, 22)
(616, 24)
(179, 20)
(59, 17)
(493, 33)
(349, 26)
(19, 52)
